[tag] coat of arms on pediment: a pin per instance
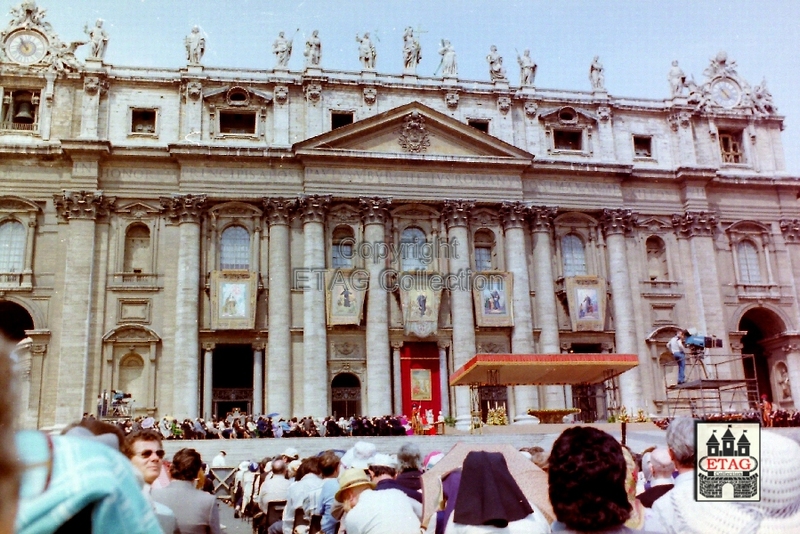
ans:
(414, 137)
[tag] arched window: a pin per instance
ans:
(484, 250)
(234, 249)
(342, 248)
(137, 249)
(574, 255)
(132, 378)
(415, 254)
(12, 247)
(749, 269)
(656, 259)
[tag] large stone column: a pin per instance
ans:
(374, 213)
(186, 211)
(80, 209)
(279, 310)
(258, 379)
(444, 377)
(397, 378)
(456, 214)
(544, 285)
(514, 214)
(616, 224)
(313, 209)
(208, 382)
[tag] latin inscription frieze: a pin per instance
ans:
(376, 176)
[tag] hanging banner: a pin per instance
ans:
(233, 300)
(586, 296)
(344, 296)
(420, 302)
(491, 292)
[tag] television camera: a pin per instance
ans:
(697, 343)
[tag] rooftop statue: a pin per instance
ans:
(448, 65)
(496, 70)
(98, 39)
(596, 75)
(282, 48)
(527, 68)
(412, 51)
(366, 52)
(313, 52)
(195, 46)
(677, 79)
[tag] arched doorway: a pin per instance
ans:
(15, 318)
(760, 324)
(345, 395)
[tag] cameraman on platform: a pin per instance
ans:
(678, 350)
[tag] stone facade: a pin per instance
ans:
(174, 234)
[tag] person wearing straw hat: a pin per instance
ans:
(374, 512)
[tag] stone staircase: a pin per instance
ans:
(640, 436)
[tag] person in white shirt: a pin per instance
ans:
(374, 512)
(275, 487)
(307, 480)
(678, 350)
(219, 460)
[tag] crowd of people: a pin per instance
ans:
(95, 478)
(241, 426)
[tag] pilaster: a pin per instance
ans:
(94, 87)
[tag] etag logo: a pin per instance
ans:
(728, 462)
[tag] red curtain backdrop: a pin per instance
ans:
(421, 356)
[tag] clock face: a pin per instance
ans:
(726, 93)
(26, 47)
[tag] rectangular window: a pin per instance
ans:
(483, 258)
(341, 118)
(479, 124)
(730, 145)
(20, 110)
(237, 123)
(143, 121)
(567, 139)
(642, 146)
(342, 256)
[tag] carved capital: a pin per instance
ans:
(184, 208)
(39, 349)
(542, 218)
(194, 90)
(604, 113)
(374, 210)
(260, 345)
(513, 214)
(682, 119)
(451, 99)
(83, 204)
(93, 84)
(617, 221)
(531, 108)
(456, 213)
(504, 104)
(694, 223)
(313, 208)
(279, 210)
(313, 92)
(791, 230)
(370, 95)
(209, 346)
(443, 343)
(397, 345)
(281, 94)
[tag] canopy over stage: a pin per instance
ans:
(541, 369)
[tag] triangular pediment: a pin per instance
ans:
(413, 131)
(138, 210)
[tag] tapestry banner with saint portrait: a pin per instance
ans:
(344, 294)
(586, 296)
(420, 295)
(233, 300)
(491, 292)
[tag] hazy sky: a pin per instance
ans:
(636, 40)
